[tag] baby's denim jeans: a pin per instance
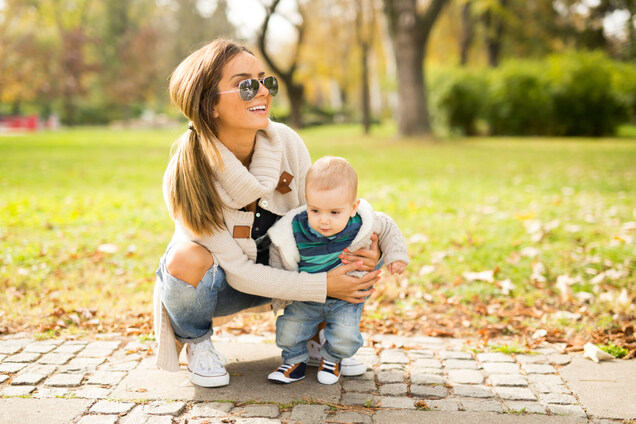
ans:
(300, 323)
(191, 309)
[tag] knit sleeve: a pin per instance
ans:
(392, 244)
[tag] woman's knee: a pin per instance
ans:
(189, 261)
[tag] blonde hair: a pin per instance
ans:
(194, 90)
(331, 172)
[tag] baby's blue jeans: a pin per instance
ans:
(300, 322)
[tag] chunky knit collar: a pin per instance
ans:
(237, 186)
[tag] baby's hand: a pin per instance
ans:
(397, 267)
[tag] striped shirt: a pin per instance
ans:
(317, 252)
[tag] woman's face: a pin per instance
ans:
(231, 113)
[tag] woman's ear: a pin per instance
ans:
(215, 114)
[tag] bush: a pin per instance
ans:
(460, 97)
(584, 97)
(518, 101)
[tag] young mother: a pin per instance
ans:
(234, 172)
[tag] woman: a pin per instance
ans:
(232, 175)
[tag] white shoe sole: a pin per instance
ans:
(349, 367)
(210, 381)
(281, 379)
(327, 378)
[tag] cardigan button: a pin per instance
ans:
(264, 203)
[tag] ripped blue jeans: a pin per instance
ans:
(191, 308)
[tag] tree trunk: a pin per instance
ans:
(494, 24)
(296, 95)
(410, 32)
(366, 96)
(468, 34)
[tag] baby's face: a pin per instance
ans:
(330, 210)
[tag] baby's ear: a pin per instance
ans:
(354, 211)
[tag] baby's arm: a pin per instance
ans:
(392, 244)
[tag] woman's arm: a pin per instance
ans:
(351, 289)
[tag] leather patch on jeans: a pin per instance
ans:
(242, 231)
(283, 182)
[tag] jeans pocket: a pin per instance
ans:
(350, 313)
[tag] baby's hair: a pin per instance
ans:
(330, 172)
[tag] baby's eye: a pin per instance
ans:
(313, 210)
(335, 212)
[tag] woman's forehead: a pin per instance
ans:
(243, 64)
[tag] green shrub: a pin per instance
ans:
(461, 97)
(518, 101)
(585, 100)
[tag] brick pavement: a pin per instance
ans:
(411, 375)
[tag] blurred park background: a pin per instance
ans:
(499, 134)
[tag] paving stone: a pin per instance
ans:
(350, 417)
(559, 398)
(41, 347)
(472, 391)
(39, 369)
(549, 379)
(23, 357)
(50, 392)
(443, 405)
(480, 405)
(83, 364)
(385, 377)
(211, 409)
(27, 379)
(98, 419)
(138, 416)
(427, 379)
(367, 376)
(501, 368)
(529, 407)
(3, 378)
(515, 393)
(393, 356)
(397, 402)
(365, 351)
(369, 360)
(309, 413)
(551, 388)
(494, 357)
(103, 345)
(55, 358)
(120, 366)
(65, 380)
(427, 363)
(95, 353)
(429, 391)
(111, 407)
(559, 359)
(532, 359)
(465, 376)
(539, 369)
(574, 410)
(11, 368)
(395, 389)
(357, 399)
(391, 367)
(10, 347)
(106, 378)
(2, 357)
(17, 390)
(164, 408)
(365, 386)
(426, 371)
(420, 354)
(513, 380)
(461, 364)
(69, 348)
(454, 354)
(546, 350)
(92, 393)
(251, 411)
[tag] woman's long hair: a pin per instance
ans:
(192, 195)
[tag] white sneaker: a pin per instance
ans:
(206, 365)
(329, 372)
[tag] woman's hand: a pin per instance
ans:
(369, 257)
(350, 289)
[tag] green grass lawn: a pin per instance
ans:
(542, 221)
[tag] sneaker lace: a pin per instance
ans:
(285, 367)
(331, 366)
(207, 357)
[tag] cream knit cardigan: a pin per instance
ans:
(278, 150)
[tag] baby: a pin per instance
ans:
(311, 239)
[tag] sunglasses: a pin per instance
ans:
(248, 89)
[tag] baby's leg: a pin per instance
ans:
(298, 324)
(342, 333)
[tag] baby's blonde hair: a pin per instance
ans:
(331, 172)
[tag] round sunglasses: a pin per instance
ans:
(248, 89)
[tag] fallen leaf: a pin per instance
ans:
(594, 353)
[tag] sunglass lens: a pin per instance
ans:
(248, 89)
(271, 83)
